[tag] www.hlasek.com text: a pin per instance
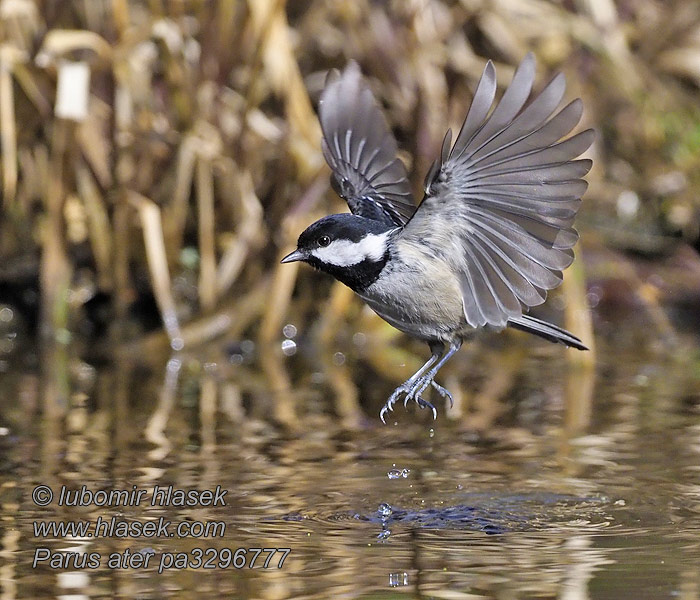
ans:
(118, 527)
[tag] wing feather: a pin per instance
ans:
(361, 150)
(481, 104)
(510, 188)
(555, 154)
(503, 291)
(510, 105)
(529, 120)
(521, 286)
(486, 303)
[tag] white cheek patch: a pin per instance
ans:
(344, 253)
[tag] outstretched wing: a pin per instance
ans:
(505, 197)
(361, 151)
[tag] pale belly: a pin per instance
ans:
(429, 309)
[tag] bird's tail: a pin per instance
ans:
(547, 331)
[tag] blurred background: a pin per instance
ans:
(158, 157)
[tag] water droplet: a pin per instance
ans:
(289, 331)
(398, 473)
(460, 486)
(177, 344)
(7, 344)
(85, 373)
(398, 579)
(431, 433)
(63, 336)
(4, 431)
(641, 380)
(559, 302)
(174, 365)
(6, 314)
(240, 352)
(289, 347)
(189, 257)
(359, 339)
(593, 299)
(384, 509)
(620, 503)
(339, 359)
(627, 204)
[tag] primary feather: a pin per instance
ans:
(508, 190)
(361, 150)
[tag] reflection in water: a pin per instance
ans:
(554, 481)
(281, 403)
(155, 429)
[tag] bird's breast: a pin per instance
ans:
(418, 297)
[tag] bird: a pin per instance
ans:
(491, 235)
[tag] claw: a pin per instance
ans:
(389, 406)
(445, 393)
(383, 412)
(425, 404)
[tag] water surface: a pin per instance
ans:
(554, 482)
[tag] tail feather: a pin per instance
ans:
(545, 330)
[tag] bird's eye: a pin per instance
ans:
(324, 240)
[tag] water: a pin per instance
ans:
(559, 485)
(395, 473)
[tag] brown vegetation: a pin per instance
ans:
(197, 160)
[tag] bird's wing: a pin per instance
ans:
(500, 204)
(361, 150)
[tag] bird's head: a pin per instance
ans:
(351, 248)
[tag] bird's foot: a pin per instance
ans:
(413, 390)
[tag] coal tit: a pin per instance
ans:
(491, 235)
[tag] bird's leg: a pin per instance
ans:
(437, 349)
(424, 381)
(410, 383)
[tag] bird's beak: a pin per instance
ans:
(294, 256)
